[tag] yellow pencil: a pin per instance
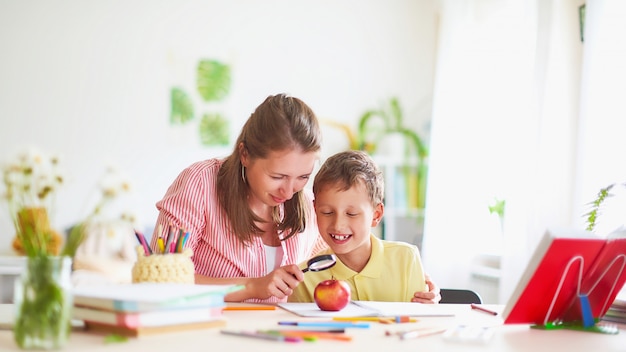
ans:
(161, 244)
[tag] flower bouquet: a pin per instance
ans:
(43, 297)
(32, 181)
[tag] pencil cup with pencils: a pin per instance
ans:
(171, 267)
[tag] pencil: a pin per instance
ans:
(185, 238)
(142, 241)
(335, 324)
(179, 241)
(398, 319)
(420, 333)
(485, 310)
(263, 336)
(161, 245)
(309, 335)
(170, 237)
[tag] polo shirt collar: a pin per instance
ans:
(373, 268)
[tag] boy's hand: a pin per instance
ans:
(433, 296)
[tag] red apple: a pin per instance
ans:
(332, 295)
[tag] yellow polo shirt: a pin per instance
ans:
(393, 274)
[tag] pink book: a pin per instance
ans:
(148, 318)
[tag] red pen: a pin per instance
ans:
(485, 310)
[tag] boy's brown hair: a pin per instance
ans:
(346, 169)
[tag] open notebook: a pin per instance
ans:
(373, 309)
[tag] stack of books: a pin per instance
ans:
(617, 310)
(150, 308)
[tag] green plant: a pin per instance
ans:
(44, 303)
(497, 207)
(213, 129)
(32, 181)
(596, 205)
(213, 82)
(376, 124)
(43, 297)
(182, 106)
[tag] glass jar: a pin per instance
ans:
(43, 303)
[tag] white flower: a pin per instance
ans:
(31, 180)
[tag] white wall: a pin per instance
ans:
(90, 80)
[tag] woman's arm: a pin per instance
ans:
(280, 283)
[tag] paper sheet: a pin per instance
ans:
(372, 308)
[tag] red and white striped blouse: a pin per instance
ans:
(191, 203)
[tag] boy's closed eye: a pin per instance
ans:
(328, 213)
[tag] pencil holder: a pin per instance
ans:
(171, 267)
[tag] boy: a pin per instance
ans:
(348, 192)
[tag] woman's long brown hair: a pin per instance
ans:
(280, 123)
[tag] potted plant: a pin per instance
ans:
(377, 125)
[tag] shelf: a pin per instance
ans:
(12, 264)
(401, 221)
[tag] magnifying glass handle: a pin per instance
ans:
(305, 270)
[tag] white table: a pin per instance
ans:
(506, 337)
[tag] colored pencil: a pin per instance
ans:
(384, 320)
(263, 336)
(335, 324)
(310, 335)
(143, 242)
(484, 310)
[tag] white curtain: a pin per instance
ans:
(602, 131)
(514, 120)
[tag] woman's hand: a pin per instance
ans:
(280, 283)
(433, 295)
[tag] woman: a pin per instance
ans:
(249, 218)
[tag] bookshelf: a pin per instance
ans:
(402, 221)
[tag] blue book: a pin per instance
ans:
(145, 296)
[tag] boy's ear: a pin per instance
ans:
(379, 210)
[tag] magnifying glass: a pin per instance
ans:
(321, 262)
